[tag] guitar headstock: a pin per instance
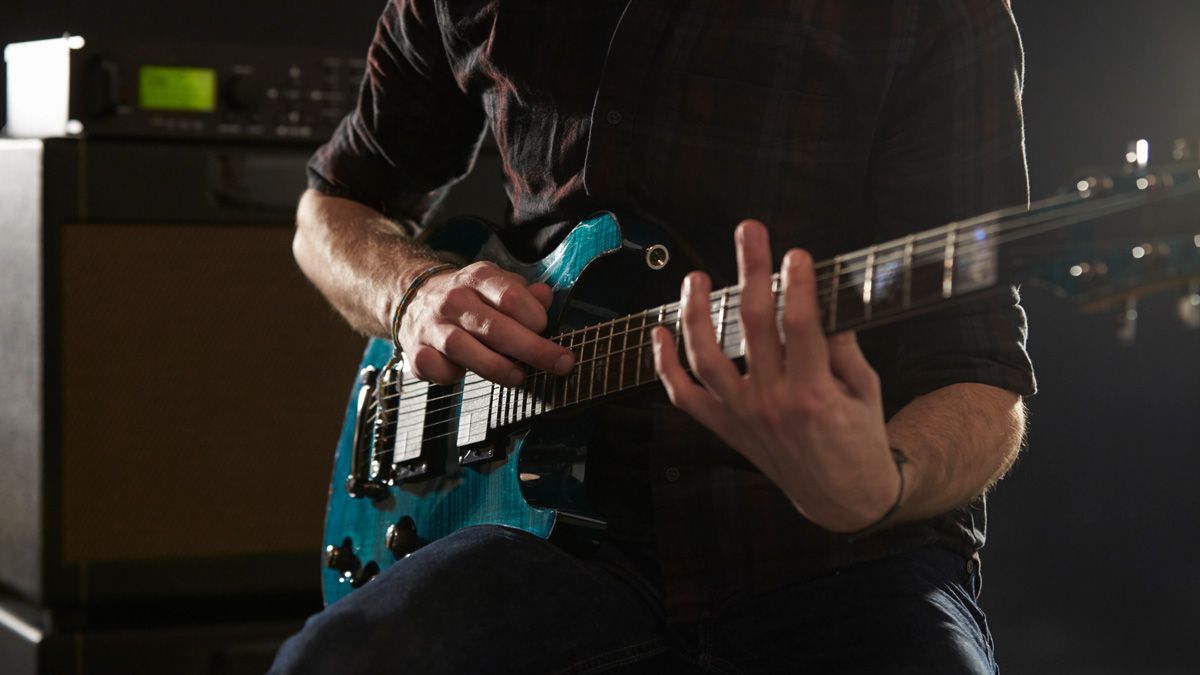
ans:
(1126, 234)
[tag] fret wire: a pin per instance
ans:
(868, 283)
(662, 320)
(624, 343)
(579, 368)
(777, 297)
(592, 366)
(908, 259)
(608, 354)
(833, 293)
(552, 385)
(567, 378)
(678, 330)
(637, 363)
(721, 318)
(948, 278)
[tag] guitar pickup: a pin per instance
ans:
(423, 428)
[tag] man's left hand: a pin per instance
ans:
(808, 410)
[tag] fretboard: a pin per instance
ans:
(854, 290)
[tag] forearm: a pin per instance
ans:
(356, 257)
(959, 440)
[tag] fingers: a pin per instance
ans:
(429, 364)
(851, 367)
(685, 394)
(506, 336)
(757, 314)
(462, 349)
(807, 355)
(519, 314)
(709, 363)
(508, 292)
(480, 319)
(543, 293)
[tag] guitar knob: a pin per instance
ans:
(367, 573)
(402, 538)
(342, 558)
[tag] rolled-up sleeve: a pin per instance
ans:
(414, 130)
(951, 145)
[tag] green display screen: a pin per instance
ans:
(172, 88)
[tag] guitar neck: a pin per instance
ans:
(872, 286)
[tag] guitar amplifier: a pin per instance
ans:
(171, 386)
(70, 86)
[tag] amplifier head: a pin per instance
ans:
(70, 86)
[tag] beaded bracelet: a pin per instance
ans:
(409, 294)
(900, 459)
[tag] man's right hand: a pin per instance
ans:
(480, 318)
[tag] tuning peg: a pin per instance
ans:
(1189, 306)
(1127, 322)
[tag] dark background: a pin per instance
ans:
(1091, 565)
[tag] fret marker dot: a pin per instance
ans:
(1138, 252)
(1076, 270)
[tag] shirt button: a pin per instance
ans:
(672, 474)
(613, 117)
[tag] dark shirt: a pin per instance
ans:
(838, 124)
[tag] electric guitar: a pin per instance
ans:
(417, 461)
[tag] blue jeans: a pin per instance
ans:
(490, 599)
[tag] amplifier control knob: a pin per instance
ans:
(402, 537)
(243, 92)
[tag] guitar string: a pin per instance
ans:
(670, 311)
(526, 407)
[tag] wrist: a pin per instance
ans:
(413, 281)
(902, 490)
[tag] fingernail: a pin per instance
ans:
(564, 364)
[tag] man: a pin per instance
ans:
(819, 513)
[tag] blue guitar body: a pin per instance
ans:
(529, 478)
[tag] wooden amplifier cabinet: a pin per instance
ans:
(171, 387)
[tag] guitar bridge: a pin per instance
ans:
(360, 483)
